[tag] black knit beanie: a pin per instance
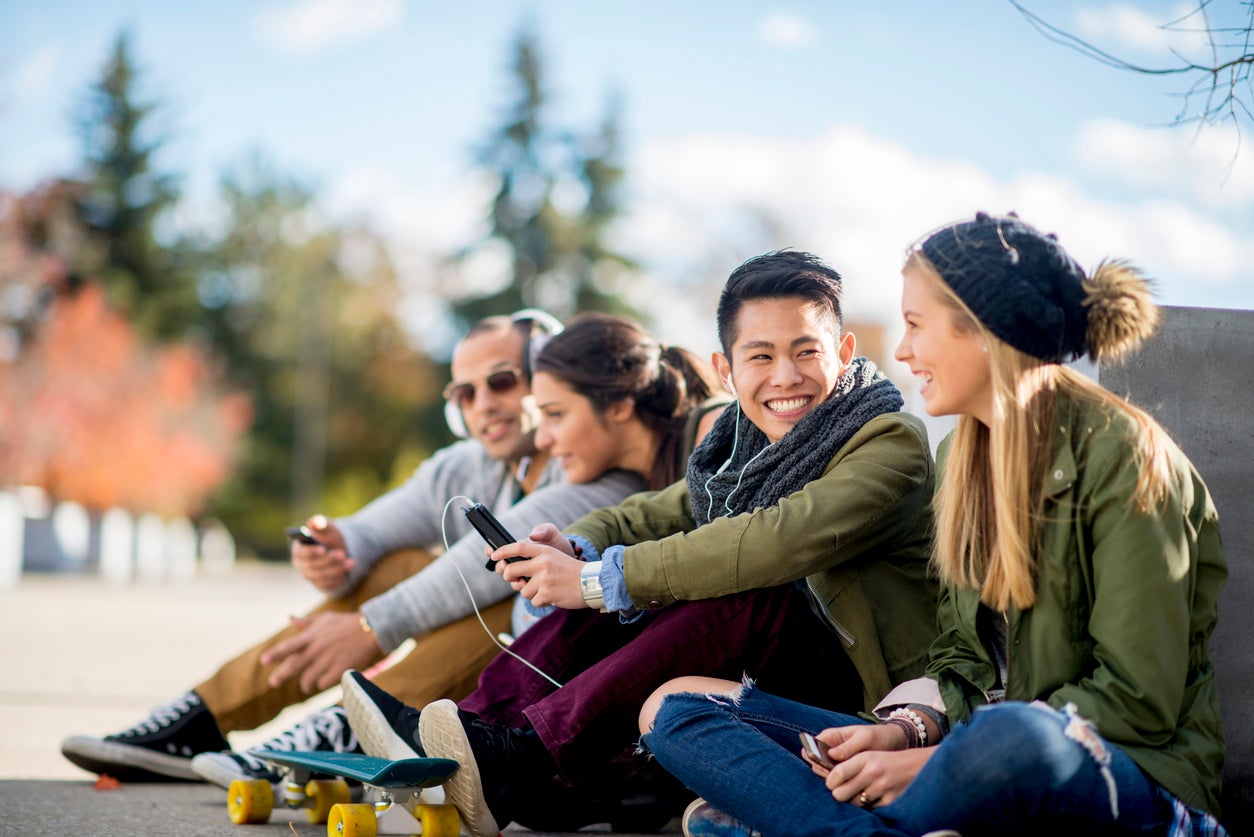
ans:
(1017, 281)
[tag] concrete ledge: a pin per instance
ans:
(1195, 378)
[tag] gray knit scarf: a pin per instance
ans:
(760, 474)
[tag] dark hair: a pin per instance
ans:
(608, 359)
(534, 325)
(782, 273)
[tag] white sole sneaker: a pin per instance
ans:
(374, 733)
(444, 737)
(221, 769)
(124, 761)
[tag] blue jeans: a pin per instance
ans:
(1012, 769)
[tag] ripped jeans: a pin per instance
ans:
(1014, 768)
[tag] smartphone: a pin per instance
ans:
(301, 534)
(816, 750)
(490, 528)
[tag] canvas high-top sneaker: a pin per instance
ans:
(158, 748)
(326, 730)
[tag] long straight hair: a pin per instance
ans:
(988, 504)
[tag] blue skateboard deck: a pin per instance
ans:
(376, 772)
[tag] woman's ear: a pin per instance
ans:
(621, 410)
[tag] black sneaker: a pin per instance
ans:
(326, 730)
(157, 749)
(497, 765)
(385, 726)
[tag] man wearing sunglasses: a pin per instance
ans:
(383, 583)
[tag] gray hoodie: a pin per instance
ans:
(410, 516)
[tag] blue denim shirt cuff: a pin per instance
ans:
(590, 551)
(614, 585)
(537, 612)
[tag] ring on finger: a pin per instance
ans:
(865, 801)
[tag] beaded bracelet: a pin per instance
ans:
(913, 718)
(911, 731)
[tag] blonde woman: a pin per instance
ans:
(1080, 560)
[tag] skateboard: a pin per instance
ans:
(399, 809)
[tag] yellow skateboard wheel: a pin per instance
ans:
(439, 820)
(352, 821)
(250, 801)
(323, 795)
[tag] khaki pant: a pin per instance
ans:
(444, 664)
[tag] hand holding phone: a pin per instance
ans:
(301, 534)
(490, 528)
(816, 750)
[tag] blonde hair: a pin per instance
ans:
(988, 504)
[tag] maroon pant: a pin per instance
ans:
(608, 668)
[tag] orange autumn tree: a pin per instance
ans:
(92, 414)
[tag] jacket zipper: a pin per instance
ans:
(1009, 643)
(845, 636)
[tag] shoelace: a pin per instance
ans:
(325, 730)
(164, 716)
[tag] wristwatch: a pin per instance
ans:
(590, 585)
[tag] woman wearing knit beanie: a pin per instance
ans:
(1080, 561)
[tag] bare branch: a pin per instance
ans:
(1225, 86)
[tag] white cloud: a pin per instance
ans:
(1123, 25)
(1209, 164)
(859, 201)
(701, 204)
(787, 30)
(32, 75)
(310, 26)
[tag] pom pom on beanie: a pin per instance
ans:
(1121, 311)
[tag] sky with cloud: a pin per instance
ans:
(844, 128)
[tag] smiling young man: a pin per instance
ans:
(809, 498)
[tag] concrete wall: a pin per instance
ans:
(1195, 378)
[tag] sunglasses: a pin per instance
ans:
(498, 383)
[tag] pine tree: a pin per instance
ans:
(125, 196)
(558, 256)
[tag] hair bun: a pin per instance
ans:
(1122, 313)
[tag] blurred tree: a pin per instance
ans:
(303, 310)
(294, 310)
(557, 193)
(90, 410)
(124, 197)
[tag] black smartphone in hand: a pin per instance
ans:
(301, 534)
(490, 528)
(816, 750)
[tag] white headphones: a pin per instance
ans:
(540, 327)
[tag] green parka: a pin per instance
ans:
(860, 536)
(1125, 605)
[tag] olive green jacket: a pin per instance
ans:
(860, 536)
(1126, 602)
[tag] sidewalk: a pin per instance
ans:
(79, 655)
